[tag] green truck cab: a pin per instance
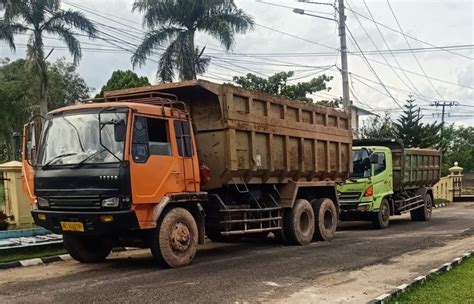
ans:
(389, 179)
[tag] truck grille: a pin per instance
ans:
(91, 202)
(349, 200)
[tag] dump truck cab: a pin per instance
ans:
(370, 182)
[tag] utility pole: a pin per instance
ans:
(344, 68)
(443, 105)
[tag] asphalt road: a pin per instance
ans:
(239, 272)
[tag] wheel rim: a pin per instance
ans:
(428, 207)
(304, 222)
(328, 222)
(180, 238)
(385, 213)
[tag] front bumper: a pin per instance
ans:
(93, 225)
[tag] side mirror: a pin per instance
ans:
(374, 158)
(120, 131)
(32, 137)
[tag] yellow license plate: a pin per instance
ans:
(72, 226)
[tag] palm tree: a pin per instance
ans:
(39, 17)
(175, 23)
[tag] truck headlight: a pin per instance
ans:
(42, 202)
(111, 202)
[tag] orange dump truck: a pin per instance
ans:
(163, 166)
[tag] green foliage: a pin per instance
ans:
(174, 23)
(413, 132)
(379, 127)
(460, 148)
(123, 80)
(278, 85)
(39, 18)
(17, 95)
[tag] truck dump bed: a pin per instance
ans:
(250, 137)
(412, 167)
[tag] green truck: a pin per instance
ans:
(389, 179)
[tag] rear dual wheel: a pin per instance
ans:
(298, 224)
(423, 213)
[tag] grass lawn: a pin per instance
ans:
(10, 255)
(455, 286)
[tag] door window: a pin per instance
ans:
(381, 164)
(150, 137)
(183, 138)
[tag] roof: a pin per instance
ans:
(361, 111)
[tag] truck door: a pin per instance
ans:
(186, 152)
(29, 154)
(381, 176)
(153, 168)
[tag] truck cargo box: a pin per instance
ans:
(252, 137)
(412, 167)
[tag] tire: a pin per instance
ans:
(175, 239)
(382, 217)
(424, 213)
(299, 223)
(325, 214)
(86, 249)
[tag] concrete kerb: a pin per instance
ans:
(386, 297)
(48, 259)
(440, 205)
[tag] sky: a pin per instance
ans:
(283, 40)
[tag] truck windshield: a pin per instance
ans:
(71, 139)
(361, 168)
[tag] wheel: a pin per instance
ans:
(423, 213)
(174, 241)
(382, 217)
(325, 213)
(86, 249)
(299, 223)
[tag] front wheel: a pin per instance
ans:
(174, 240)
(86, 249)
(382, 217)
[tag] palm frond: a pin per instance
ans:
(7, 32)
(71, 18)
(165, 71)
(73, 44)
(157, 13)
(152, 40)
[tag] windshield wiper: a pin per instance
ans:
(88, 157)
(49, 163)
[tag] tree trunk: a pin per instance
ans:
(43, 91)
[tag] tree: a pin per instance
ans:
(413, 132)
(40, 17)
(65, 87)
(460, 148)
(175, 23)
(379, 127)
(278, 85)
(123, 80)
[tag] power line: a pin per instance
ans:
(391, 52)
(414, 55)
(411, 37)
(371, 68)
(375, 45)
